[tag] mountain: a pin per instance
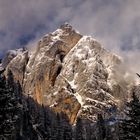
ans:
(71, 73)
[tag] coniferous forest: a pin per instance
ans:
(22, 118)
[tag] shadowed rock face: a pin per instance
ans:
(71, 73)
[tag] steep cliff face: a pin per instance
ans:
(71, 73)
(90, 74)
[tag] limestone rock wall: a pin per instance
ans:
(71, 73)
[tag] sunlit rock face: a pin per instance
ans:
(16, 61)
(71, 73)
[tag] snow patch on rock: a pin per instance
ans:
(79, 98)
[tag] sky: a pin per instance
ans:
(115, 23)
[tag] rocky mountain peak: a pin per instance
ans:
(71, 73)
(65, 26)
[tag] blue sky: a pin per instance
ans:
(115, 23)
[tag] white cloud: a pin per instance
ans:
(113, 23)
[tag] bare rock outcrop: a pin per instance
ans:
(71, 73)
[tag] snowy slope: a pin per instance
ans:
(91, 73)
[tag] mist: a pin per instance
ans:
(115, 24)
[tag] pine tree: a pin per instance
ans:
(79, 130)
(130, 127)
(47, 122)
(89, 131)
(101, 131)
(67, 129)
(10, 80)
(8, 110)
(18, 92)
(60, 129)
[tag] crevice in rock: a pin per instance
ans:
(60, 55)
(70, 88)
(58, 71)
(24, 68)
(56, 74)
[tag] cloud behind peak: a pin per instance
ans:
(114, 23)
